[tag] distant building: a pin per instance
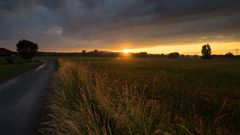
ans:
(6, 53)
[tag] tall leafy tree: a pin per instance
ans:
(27, 49)
(206, 52)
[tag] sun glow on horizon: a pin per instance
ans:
(126, 51)
(190, 49)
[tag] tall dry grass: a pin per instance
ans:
(87, 102)
(84, 101)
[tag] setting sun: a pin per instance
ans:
(126, 51)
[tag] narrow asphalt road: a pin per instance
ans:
(21, 100)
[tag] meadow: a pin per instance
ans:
(9, 70)
(144, 96)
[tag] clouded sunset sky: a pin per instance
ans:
(155, 26)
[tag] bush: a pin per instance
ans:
(174, 55)
(229, 55)
(11, 60)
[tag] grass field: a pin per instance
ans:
(2, 61)
(145, 96)
(8, 71)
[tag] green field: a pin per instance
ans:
(145, 96)
(2, 61)
(8, 71)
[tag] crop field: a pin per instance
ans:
(144, 96)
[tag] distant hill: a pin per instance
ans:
(6, 53)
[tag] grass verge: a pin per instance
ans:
(8, 71)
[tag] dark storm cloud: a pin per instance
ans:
(109, 21)
(169, 8)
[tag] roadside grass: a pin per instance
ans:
(8, 71)
(2, 61)
(134, 96)
(15, 59)
(49, 58)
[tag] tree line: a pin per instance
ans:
(28, 49)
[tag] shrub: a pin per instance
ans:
(174, 55)
(229, 55)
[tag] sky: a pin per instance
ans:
(155, 26)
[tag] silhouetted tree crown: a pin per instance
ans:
(206, 52)
(84, 51)
(174, 55)
(27, 49)
(95, 51)
(229, 55)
